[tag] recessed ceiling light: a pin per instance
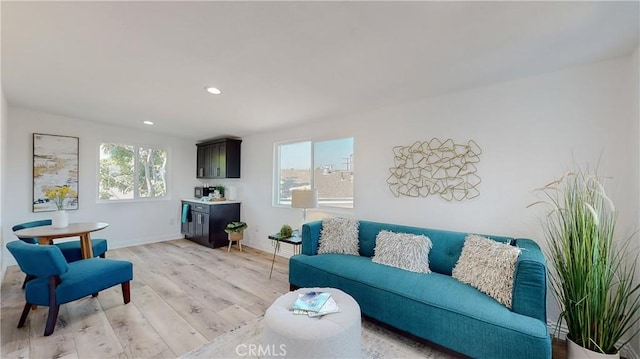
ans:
(213, 90)
(148, 123)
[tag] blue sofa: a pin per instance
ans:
(435, 306)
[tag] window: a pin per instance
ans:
(324, 165)
(129, 172)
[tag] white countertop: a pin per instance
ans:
(200, 201)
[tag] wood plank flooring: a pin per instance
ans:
(182, 296)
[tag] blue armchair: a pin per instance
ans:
(56, 282)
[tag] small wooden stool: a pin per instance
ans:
(235, 237)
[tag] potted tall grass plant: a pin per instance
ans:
(591, 275)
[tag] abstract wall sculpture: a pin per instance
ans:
(435, 167)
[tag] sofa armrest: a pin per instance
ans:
(530, 281)
(311, 237)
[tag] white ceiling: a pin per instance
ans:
(281, 64)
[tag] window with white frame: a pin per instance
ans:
(324, 165)
(130, 172)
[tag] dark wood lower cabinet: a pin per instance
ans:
(207, 222)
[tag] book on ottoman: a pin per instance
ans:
(311, 301)
(315, 304)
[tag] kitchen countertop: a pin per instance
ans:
(200, 201)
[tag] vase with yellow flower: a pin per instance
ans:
(59, 195)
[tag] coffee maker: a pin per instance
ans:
(202, 191)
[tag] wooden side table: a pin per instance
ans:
(295, 240)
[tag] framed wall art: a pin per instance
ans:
(55, 172)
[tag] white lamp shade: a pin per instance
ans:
(307, 198)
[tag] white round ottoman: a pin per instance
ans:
(335, 335)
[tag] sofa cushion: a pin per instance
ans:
(403, 250)
(339, 235)
(446, 245)
(488, 266)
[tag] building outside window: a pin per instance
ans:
(324, 165)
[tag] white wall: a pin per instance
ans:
(530, 130)
(3, 132)
(129, 223)
(3, 157)
(635, 78)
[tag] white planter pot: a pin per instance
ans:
(60, 219)
(575, 351)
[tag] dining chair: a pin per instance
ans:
(57, 282)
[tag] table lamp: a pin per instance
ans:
(304, 198)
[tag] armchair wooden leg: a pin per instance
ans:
(103, 255)
(27, 279)
(52, 318)
(126, 292)
(25, 312)
(94, 295)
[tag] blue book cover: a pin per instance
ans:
(311, 301)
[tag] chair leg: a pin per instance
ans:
(126, 292)
(103, 255)
(94, 295)
(25, 312)
(52, 318)
(27, 279)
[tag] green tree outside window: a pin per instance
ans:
(132, 172)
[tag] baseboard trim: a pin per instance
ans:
(141, 241)
(562, 331)
(286, 250)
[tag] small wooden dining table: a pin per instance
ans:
(46, 234)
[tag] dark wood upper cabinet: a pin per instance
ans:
(219, 159)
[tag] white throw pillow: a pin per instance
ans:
(339, 235)
(488, 266)
(403, 250)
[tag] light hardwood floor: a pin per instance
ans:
(182, 296)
